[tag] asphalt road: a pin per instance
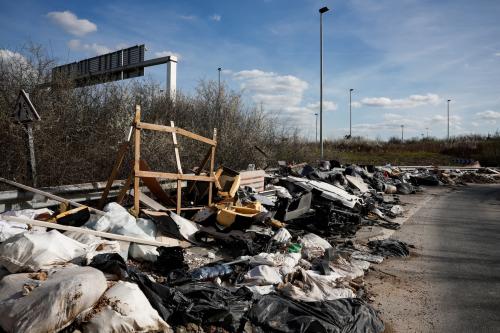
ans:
(451, 282)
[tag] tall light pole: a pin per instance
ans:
(219, 69)
(350, 112)
(321, 12)
(427, 129)
(316, 127)
(402, 130)
(448, 136)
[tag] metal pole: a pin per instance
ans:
(316, 127)
(218, 95)
(321, 82)
(402, 128)
(321, 11)
(31, 151)
(219, 69)
(350, 112)
(448, 135)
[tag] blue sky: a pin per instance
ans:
(403, 58)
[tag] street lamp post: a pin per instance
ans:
(219, 69)
(402, 130)
(321, 12)
(316, 127)
(427, 129)
(350, 112)
(448, 135)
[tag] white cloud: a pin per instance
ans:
(489, 115)
(280, 95)
(497, 54)
(454, 120)
(93, 49)
(409, 102)
(9, 57)
(168, 53)
(356, 104)
(327, 106)
(392, 116)
(216, 17)
(188, 17)
(71, 23)
(275, 91)
(16, 64)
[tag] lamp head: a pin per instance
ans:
(323, 10)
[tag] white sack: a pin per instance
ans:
(117, 220)
(53, 304)
(128, 311)
(314, 287)
(263, 275)
(32, 251)
(9, 229)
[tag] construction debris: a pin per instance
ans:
(273, 251)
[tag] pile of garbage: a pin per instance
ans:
(284, 259)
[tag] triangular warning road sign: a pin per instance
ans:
(24, 111)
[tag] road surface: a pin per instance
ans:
(451, 282)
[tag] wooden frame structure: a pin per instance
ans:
(179, 176)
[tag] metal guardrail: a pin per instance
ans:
(19, 199)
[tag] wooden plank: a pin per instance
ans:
(84, 231)
(116, 167)
(200, 168)
(212, 161)
(137, 157)
(176, 149)
(179, 197)
(150, 202)
(180, 131)
(179, 169)
(154, 186)
(125, 188)
(174, 176)
(49, 195)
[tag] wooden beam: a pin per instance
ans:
(200, 168)
(83, 231)
(125, 188)
(179, 169)
(137, 157)
(180, 131)
(154, 186)
(49, 195)
(176, 149)
(212, 161)
(119, 159)
(174, 176)
(150, 202)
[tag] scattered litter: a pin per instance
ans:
(390, 247)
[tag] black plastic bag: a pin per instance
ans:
(390, 247)
(214, 305)
(164, 299)
(169, 259)
(273, 313)
(111, 263)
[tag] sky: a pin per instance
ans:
(403, 58)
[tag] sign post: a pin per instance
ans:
(25, 114)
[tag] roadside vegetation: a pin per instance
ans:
(81, 129)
